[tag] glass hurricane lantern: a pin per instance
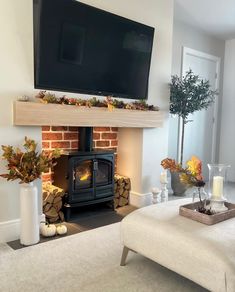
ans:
(217, 187)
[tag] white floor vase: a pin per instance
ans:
(29, 232)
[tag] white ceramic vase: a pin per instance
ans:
(29, 223)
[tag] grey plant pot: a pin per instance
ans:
(177, 186)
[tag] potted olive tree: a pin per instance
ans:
(187, 95)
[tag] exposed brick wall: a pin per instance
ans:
(67, 139)
(104, 138)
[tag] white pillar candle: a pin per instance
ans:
(217, 191)
(163, 177)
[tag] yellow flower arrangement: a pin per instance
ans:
(191, 175)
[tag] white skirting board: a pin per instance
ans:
(140, 200)
(10, 230)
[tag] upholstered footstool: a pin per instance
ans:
(201, 253)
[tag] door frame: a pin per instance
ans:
(188, 51)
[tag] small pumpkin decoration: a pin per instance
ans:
(47, 229)
(61, 229)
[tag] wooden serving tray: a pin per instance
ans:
(189, 211)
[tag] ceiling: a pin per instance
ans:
(215, 17)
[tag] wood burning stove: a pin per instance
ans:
(87, 176)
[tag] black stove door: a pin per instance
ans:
(103, 172)
(82, 179)
(103, 176)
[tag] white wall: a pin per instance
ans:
(16, 59)
(227, 137)
(185, 35)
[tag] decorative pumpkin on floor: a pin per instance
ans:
(47, 229)
(61, 229)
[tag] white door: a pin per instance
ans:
(200, 134)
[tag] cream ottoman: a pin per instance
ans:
(201, 253)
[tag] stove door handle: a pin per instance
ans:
(95, 165)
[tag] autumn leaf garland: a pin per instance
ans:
(109, 102)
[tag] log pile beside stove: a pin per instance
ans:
(52, 202)
(122, 187)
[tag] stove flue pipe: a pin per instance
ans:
(85, 138)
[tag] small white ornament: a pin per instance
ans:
(61, 229)
(164, 192)
(156, 195)
(47, 230)
(163, 177)
(24, 98)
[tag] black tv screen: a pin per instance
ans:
(79, 48)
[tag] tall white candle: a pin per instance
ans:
(163, 177)
(217, 191)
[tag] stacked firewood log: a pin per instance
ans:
(52, 203)
(122, 187)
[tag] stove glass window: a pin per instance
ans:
(83, 174)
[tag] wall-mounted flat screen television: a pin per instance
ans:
(79, 48)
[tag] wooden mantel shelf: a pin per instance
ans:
(39, 114)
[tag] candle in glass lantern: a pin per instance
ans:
(163, 177)
(217, 191)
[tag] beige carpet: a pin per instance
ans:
(85, 262)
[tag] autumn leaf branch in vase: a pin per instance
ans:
(191, 176)
(27, 165)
